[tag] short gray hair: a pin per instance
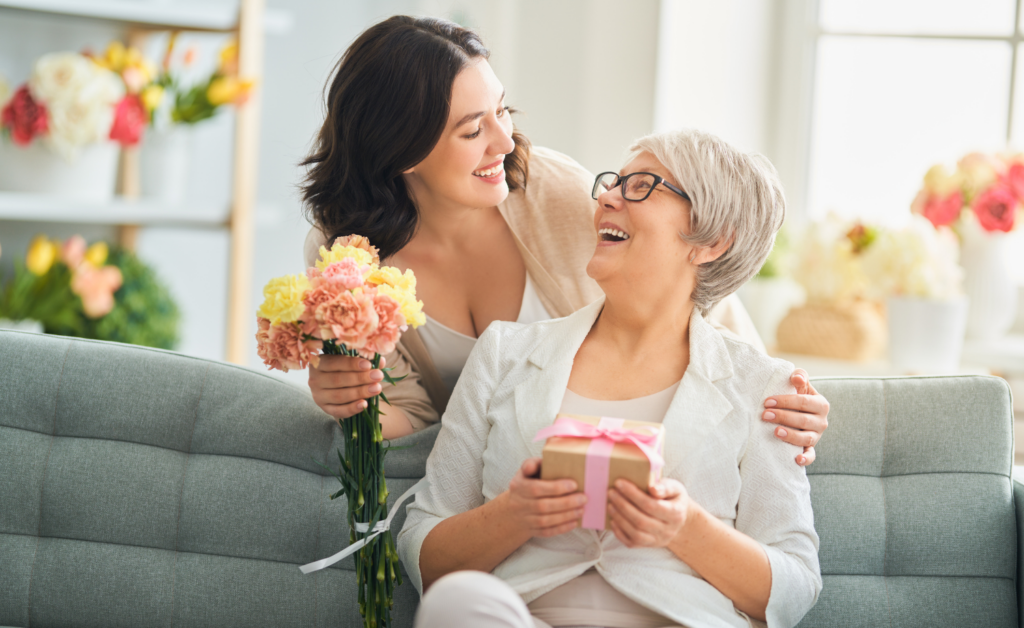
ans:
(733, 194)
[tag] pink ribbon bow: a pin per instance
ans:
(603, 437)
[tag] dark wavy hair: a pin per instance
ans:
(387, 106)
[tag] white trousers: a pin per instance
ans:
(474, 599)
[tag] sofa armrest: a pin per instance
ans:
(1018, 506)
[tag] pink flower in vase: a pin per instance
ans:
(73, 251)
(389, 328)
(25, 117)
(348, 318)
(996, 208)
(1014, 180)
(130, 120)
(943, 211)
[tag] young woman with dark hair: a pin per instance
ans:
(418, 153)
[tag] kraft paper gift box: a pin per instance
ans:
(597, 451)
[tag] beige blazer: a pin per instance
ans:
(552, 221)
(716, 445)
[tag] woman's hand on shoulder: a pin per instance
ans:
(648, 520)
(543, 508)
(802, 418)
(341, 385)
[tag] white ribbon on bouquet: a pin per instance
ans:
(363, 528)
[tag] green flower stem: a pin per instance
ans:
(362, 476)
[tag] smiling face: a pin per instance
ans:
(465, 167)
(638, 242)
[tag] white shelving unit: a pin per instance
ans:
(249, 20)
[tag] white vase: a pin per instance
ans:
(22, 325)
(926, 335)
(164, 163)
(987, 282)
(36, 169)
(768, 300)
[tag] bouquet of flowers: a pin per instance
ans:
(348, 304)
(73, 99)
(989, 187)
(201, 101)
(58, 283)
(828, 264)
(915, 261)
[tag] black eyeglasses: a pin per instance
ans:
(636, 186)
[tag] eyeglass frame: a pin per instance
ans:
(621, 181)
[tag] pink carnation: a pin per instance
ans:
(348, 318)
(943, 211)
(996, 208)
(359, 242)
(281, 346)
(345, 272)
(24, 117)
(320, 291)
(96, 287)
(130, 120)
(73, 251)
(389, 329)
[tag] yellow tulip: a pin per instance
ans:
(151, 97)
(114, 59)
(97, 254)
(229, 58)
(41, 255)
(227, 89)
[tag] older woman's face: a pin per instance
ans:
(652, 249)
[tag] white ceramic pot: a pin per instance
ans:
(38, 170)
(768, 300)
(988, 283)
(24, 325)
(164, 162)
(926, 336)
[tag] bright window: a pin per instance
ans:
(900, 85)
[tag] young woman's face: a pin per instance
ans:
(651, 248)
(465, 167)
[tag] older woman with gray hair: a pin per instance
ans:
(726, 537)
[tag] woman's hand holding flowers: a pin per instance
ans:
(543, 508)
(342, 384)
(654, 520)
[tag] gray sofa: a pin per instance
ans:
(145, 488)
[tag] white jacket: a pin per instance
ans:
(716, 445)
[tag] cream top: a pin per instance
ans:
(588, 600)
(450, 349)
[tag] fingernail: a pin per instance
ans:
(582, 499)
(375, 388)
(376, 376)
(800, 460)
(768, 416)
(781, 433)
(363, 405)
(365, 365)
(770, 403)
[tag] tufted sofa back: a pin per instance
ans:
(144, 488)
(914, 503)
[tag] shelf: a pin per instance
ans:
(35, 207)
(156, 13)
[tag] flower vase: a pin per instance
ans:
(988, 283)
(164, 162)
(36, 169)
(926, 335)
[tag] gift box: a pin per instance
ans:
(597, 451)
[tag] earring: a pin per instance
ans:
(693, 256)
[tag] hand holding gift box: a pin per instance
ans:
(597, 451)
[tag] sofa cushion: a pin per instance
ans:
(913, 502)
(141, 487)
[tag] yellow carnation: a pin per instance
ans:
(41, 254)
(391, 276)
(283, 299)
(97, 254)
(339, 252)
(412, 310)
